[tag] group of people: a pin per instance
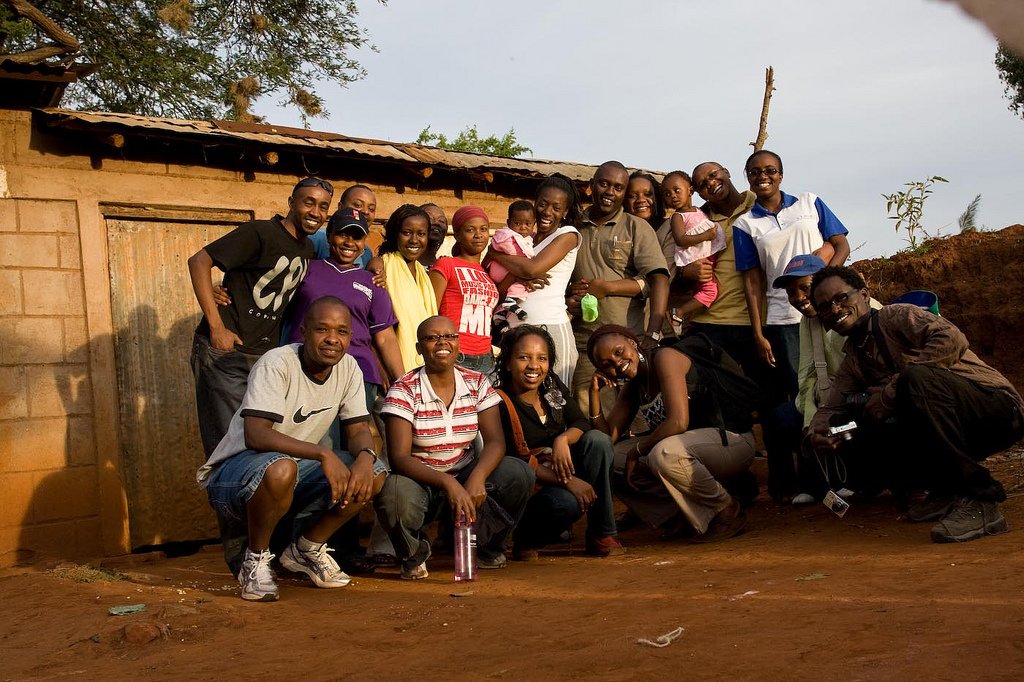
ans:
(635, 353)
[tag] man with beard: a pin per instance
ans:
(932, 405)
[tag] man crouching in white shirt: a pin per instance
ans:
(270, 462)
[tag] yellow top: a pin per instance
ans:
(413, 300)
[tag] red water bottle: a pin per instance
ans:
(465, 550)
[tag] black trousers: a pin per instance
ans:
(947, 424)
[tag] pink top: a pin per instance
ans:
(695, 222)
(506, 240)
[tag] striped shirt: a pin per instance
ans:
(442, 435)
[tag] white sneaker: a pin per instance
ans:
(256, 577)
(320, 566)
(802, 498)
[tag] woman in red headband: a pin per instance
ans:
(465, 293)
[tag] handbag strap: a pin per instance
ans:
(517, 426)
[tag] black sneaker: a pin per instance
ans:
(969, 520)
(932, 508)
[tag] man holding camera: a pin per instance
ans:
(941, 409)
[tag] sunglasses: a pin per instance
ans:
(316, 182)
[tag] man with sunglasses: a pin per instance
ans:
(933, 409)
(263, 262)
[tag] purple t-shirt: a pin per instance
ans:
(370, 306)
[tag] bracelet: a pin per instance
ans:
(595, 417)
(638, 453)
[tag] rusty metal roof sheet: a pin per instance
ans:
(317, 142)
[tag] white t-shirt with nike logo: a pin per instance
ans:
(299, 406)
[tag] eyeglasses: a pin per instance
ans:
(770, 171)
(434, 338)
(315, 182)
(837, 300)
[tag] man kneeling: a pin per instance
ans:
(938, 405)
(269, 463)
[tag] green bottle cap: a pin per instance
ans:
(589, 305)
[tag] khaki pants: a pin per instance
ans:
(682, 473)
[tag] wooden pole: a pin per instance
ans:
(762, 130)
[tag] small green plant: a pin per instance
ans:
(907, 207)
(968, 219)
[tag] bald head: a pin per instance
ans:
(322, 304)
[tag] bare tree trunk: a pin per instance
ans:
(62, 37)
(762, 131)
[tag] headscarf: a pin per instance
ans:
(466, 213)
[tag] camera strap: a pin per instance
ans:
(824, 381)
(883, 349)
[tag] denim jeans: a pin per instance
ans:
(553, 510)
(233, 483)
(478, 363)
(404, 507)
(221, 379)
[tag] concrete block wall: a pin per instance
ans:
(49, 501)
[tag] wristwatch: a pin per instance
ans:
(657, 335)
(373, 453)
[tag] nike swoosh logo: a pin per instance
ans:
(299, 417)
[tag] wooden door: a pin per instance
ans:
(154, 314)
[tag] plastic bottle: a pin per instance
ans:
(589, 306)
(465, 550)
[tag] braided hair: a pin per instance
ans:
(394, 226)
(574, 214)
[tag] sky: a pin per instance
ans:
(869, 94)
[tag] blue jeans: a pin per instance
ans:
(221, 379)
(405, 506)
(478, 363)
(234, 482)
(553, 510)
(785, 340)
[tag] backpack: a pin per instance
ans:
(723, 397)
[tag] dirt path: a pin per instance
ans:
(801, 595)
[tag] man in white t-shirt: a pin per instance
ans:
(270, 463)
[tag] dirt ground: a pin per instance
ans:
(801, 595)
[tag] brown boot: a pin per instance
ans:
(727, 523)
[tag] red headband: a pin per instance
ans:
(466, 213)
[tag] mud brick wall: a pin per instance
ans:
(48, 480)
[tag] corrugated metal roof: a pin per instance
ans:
(314, 142)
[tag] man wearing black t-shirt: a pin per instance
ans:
(263, 262)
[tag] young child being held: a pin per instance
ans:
(696, 237)
(515, 239)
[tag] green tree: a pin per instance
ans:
(469, 140)
(1011, 72)
(200, 59)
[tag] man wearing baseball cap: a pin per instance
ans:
(373, 319)
(821, 353)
